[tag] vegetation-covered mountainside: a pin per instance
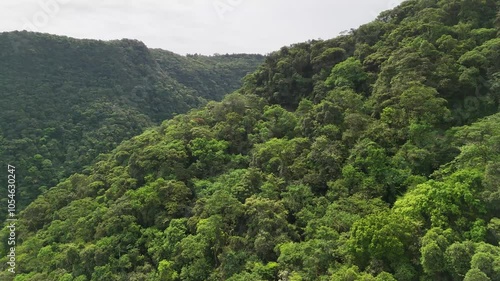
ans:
(210, 76)
(64, 101)
(371, 156)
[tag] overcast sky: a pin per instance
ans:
(194, 26)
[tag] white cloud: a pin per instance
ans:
(189, 26)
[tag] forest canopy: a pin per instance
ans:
(371, 156)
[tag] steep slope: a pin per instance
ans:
(337, 160)
(64, 101)
(209, 76)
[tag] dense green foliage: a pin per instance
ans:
(372, 156)
(211, 77)
(64, 101)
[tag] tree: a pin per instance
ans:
(476, 275)
(383, 237)
(458, 257)
(210, 155)
(348, 73)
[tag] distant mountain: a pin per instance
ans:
(64, 101)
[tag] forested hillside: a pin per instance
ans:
(371, 156)
(64, 101)
(209, 76)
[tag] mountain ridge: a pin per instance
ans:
(67, 100)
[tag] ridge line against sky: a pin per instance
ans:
(194, 26)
